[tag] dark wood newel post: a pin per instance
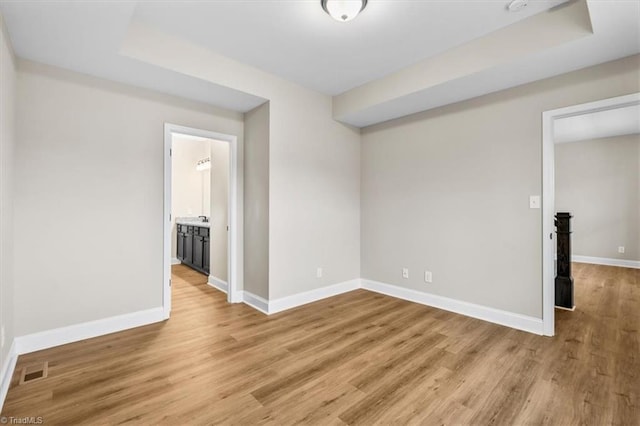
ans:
(564, 280)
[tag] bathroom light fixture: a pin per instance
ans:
(343, 10)
(204, 164)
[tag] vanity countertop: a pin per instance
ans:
(193, 221)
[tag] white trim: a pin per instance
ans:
(166, 262)
(548, 225)
(233, 296)
(548, 192)
(175, 261)
(635, 264)
(256, 302)
(73, 333)
(497, 316)
(566, 309)
(8, 367)
(509, 319)
(270, 307)
(293, 301)
(217, 283)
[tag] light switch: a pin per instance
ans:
(534, 202)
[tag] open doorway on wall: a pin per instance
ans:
(200, 204)
(591, 169)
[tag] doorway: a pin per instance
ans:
(549, 119)
(171, 133)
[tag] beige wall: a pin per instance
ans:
(447, 190)
(7, 171)
(598, 181)
(314, 165)
(219, 207)
(190, 188)
(89, 195)
(256, 191)
(314, 196)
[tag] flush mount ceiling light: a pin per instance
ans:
(343, 10)
(517, 5)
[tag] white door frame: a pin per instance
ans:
(232, 241)
(548, 194)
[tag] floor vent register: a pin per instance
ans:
(34, 372)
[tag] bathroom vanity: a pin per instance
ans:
(193, 244)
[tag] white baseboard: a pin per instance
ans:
(237, 297)
(509, 319)
(223, 286)
(284, 303)
(635, 264)
(218, 284)
(175, 261)
(256, 302)
(60, 336)
(566, 309)
(8, 367)
(73, 333)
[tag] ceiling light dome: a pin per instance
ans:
(343, 10)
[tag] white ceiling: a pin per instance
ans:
(596, 125)
(86, 37)
(296, 40)
(616, 34)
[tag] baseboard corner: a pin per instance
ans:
(562, 308)
(218, 284)
(256, 302)
(299, 299)
(6, 374)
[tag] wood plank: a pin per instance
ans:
(357, 358)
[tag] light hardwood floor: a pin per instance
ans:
(358, 358)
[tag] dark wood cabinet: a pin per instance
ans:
(193, 247)
(198, 251)
(188, 248)
(180, 247)
(205, 254)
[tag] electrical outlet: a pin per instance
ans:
(2, 336)
(428, 277)
(621, 249)
(319, 273)
(534, 202)
(405, 273)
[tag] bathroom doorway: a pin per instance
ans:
(200, 208)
